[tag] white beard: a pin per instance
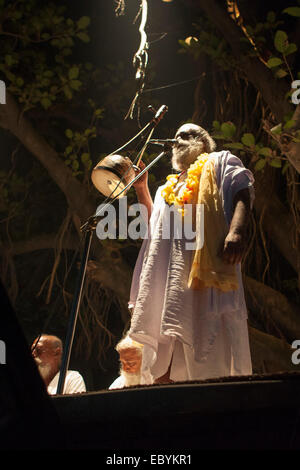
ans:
(44, 369)
(185, 155)
(131, 379)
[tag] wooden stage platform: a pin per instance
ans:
(255, 412)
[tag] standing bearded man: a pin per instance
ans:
(188, 306)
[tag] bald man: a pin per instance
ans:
(187, 299)
(47, 353)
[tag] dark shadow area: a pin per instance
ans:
(28, 420)
(237, 413)
(253, 412)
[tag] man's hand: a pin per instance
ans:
(142, 183)
(233, 248)
(234, 244)
(142, 190)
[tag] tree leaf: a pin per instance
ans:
(228, 129)
(83, 36)
(248, 139)
(83, 22)
(277, 129)
(73, 73)
(48, 73)
(85, 158)
(293, 11)
(235, 145)
(291, 49)
(274, 62)
(280, 73)
(289, 124)
(75, 165)
(69, 133)
(285, 167)
(260, 164)
(276, 163)
(69, 148)
(67, 92)
(281, 41)
(75, 84)
(216, 125)
(46, 103)
(9, 60)
(265, 151)
(98, 112)
(19, 81)
(271, 17)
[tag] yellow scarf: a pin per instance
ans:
(208, 269)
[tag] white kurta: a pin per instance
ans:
(205, 331)
(74, 383)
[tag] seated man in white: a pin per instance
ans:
(47, 353)
(131, 356)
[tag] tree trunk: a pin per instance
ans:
(115, 273)
(269, 354)
(277, 221)
(13, 119)
(275, 312)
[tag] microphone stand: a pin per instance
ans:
(88, 229)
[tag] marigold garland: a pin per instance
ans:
(191, 184)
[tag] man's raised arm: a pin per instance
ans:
(142, 191)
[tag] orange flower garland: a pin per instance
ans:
(191, 184)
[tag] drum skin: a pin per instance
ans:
(112, 174)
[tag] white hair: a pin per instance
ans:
(128, 343)
(208, 141)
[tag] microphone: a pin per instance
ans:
(160, 113)
(163, 142)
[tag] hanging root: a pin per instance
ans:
(264, 244)
(294, 203)
(120, 7)
(140, 59)
(93, 318)
(57, 256)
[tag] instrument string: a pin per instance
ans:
(135, 163)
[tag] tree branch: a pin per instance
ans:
(109, 270)
(40, 242)
(12, 119)
(273, 90)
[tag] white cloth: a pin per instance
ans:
(74, 383)
(118, 383)
(205, 330)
